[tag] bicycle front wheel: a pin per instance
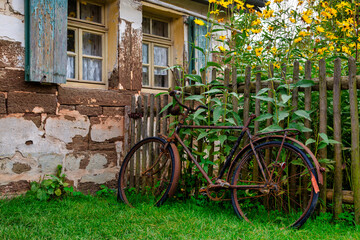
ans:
(147, 173)
(279, 189)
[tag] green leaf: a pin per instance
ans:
(324, 137)
(195, 97)
(213, 91)
(304, 83)
(285, 98)
(58, 192)
(263, 98)
(263, 117)
(222, 139)
(227, 60)
(213, 64)
(303, 113)
(166, 107)
(217, 114)
(309, 141)
(282, 115)
(198, 112)
(194, 77)
(263, 90)
(271, 128)
(300, 127)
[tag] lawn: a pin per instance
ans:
(87, 217)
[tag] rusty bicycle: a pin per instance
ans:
(274, 169)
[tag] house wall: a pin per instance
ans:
(42, 126)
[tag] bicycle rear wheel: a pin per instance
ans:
(147, 173)
(282, 192)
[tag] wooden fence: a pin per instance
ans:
(144, 120)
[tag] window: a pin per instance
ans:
(86, 38)
(156, 53)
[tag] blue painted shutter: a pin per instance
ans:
(46, 39)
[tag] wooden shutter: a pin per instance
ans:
(46, 39)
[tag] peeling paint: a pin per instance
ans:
(13, 30)
(109, 128)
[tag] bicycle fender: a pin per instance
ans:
(177, 168)
(293, 140)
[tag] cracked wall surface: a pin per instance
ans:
(43, 126)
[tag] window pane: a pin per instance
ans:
(145, 76)
(161, 77)
(92, 69)
(90, 12)
(160, 28)
(145, 53)
(72, 8)
(70, 68)
(92, 44)
(146, 25)
(160, 56)
(70, 40)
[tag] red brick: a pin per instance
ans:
(23, 102)
(14, 80)
(113, 111)
(2, 103)
(12, 54)
(81, 96)
(89, 110)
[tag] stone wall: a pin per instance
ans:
(42, 126)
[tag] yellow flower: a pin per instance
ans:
(352, 45)
(298, 39)
(212, 1)
(223, 37)
(320, 29)
(267, 3)
(249, 48)
(345, 49)
(235, 53)
(274, 50)
(207, 35)
(249, 6)
(268, 14)
(306, 19)
(220, 20)
(258, 51)
(331, 48)
(256, 22)
(216, 12)
(277, 65)
(199, 22)
(303, 34)
(301, 68)
(278, 1)
(256, 30)
(270, 28)
(292, 20)
(221, 48)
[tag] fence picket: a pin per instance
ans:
(323, 125)
(337, 136)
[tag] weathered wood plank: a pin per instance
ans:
(323, 125)
(145, 153)
(164, 114)
(247, 94)
(337, 136)
(355, 158)
(270, 85)
(138, 137)
(132, 165)
(151, 124)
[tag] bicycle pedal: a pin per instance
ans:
(223, 183)
(203, 191)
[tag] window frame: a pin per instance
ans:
(80, 26)
(154, 40)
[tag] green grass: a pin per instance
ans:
(87, 217)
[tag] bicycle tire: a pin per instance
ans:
(285, 200)
(150, 184)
